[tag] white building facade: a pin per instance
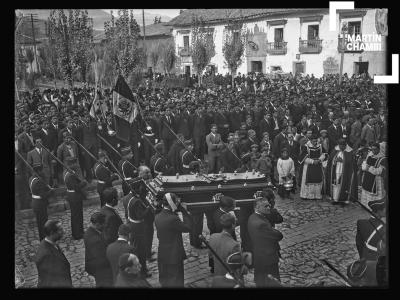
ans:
(298, 41)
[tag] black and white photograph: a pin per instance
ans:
(202, 148)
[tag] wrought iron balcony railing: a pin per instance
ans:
(277, 48)
(310, 46)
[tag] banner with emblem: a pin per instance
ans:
(125, 109)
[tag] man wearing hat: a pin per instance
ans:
(75, 196)
(96, 262)
(127, 169)
(371, 231)
(40, 156)
(128, 275)
(173, 156)
(341, 174)
(68, 149)
(238, 263)
(373, 181)
(223, 242)
(171, 252)
(265, 242)
(187, 156)
(40, 191)
(103, 175)
(199, 131)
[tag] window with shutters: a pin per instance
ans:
(186, 41)
(278, 37)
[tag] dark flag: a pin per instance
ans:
(125, 109)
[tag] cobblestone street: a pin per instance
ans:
(312, 230)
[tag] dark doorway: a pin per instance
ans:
(187, 70)
(361, 67)
(299, 67)
(256, 66)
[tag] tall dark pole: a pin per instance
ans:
(144, 37)
(34, 43)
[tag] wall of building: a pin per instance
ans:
(292, 31)
(151, 43)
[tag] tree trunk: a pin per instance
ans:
(199, 74)
(233, 80)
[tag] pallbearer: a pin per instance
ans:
(187, 156)
(128, 170)
(103, 175)
(40, 194)
(158, 164)
(75, 197)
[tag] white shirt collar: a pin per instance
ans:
(227, 275)
(38, 149)
(122, 239)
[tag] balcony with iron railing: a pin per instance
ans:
(277, 48)
(310, 46)
(344, 46)
(184, 51)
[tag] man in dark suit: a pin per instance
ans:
(334, 133)
(371, 231)
(235, 119)
(96, 262)
(199, 132)
(171, 252)
(128, 275)
(265, 126)
(119, 247)
(344, 130)
(40, 156)
(223, 242)
(265, 241)
(113, 220)
(167, 122)
(25, 141)
(280, 141)
(52, 265)
(70, 129)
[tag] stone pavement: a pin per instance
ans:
(312, 230)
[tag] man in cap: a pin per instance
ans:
(136, 214)
(103, 175)
(96, 262)
(39, 156)
(371, 231)
(127, 169)
(223, 242)
(341, 175)
(113, 220)
(129, 273)
(40, 191)
(265, 242)
(75, 196)
(373, 181)
(238, 263)
(171, 252)
(158, 164)
(68, 149)
(187, 157)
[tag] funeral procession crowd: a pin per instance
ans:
(310, 135)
